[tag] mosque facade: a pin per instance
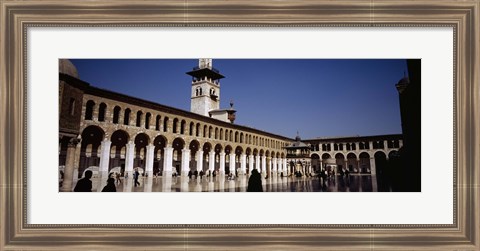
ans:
(105, 131)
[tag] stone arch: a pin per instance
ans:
(118, 150)
(340, 162)
(352, 163)
(147, 120)
(116, 114)
(126, 116)
(228, 166)
(89, 110)
(316, 164)
(158, 119)
(220, 135)
(178, 145)
(141, 142)
(364, 162)
(205, 133)
(160, 142)
(139, 118)
(241, 138)
(102, 108)
(210, 131)
(190, 128)
(218, 149)
(165, 124)
(207, 148)
(215, 136)
(197, 130)
(182, 126)
(92, 137)
(194, 146)
(175, 125)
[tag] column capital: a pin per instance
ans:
(74, 141)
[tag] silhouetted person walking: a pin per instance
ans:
(85, 184)
(135, 177)
(110, 187)
(255, 182)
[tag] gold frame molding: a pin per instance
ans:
(17, 16)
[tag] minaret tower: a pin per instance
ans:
(205, 88)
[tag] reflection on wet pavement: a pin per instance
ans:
(353, 183)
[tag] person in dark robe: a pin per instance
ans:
(255, 182)
(110, 187)
(85, 184)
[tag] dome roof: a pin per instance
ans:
(65, 66)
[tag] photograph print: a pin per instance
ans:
(239, 125)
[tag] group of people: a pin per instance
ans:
(85, 184)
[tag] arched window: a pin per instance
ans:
(221, 134)
(165, 124)
(175, 125)
(226, 135)
(101, 112)
(236, 137)
(182, 127)
(197, 130)
(241, 137)
(157, 123)
(210, 132)
(126, 117)
(89, 110)
(139, 118)
(116, 114)
(147, 120)
(216, 132)
(190, 129)
(231, 135)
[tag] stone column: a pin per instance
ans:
(199, 160)
(243, 163)
(185, 161)
(264, 164)
(102, 175)
(149, 163)
(104, 156)
(257, 163)
(211, 161)
(270, 165)
(232, 163)
(129, 158)
(285, 168)
(373, 169)
(69, 166)
(274, 164)
(167, 161)
(250, 163)
(222, 162)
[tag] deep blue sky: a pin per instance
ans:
(318, 98)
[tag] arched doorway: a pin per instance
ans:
(352, 162)
(207, 147)
(364, 162)
(139, 161)
(118, 150)
(92, 137)
(158, 154)
(194, 146)
(178, 144)
(340, 161)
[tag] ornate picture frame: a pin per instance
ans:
(17, 16)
